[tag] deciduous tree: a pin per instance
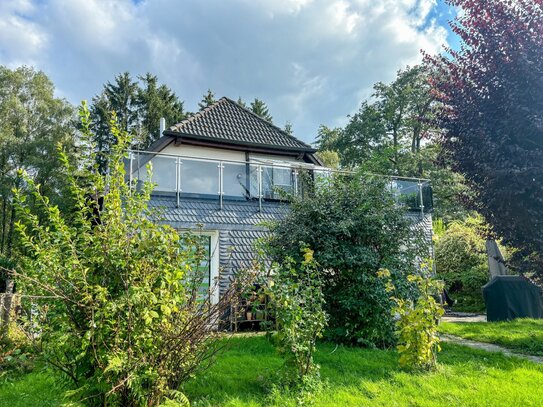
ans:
(492, 92)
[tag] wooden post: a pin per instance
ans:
(6, 301)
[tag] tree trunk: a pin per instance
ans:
(4, 219)
(419, 158)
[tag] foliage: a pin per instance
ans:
(461, 261)
(492, 94)
(138, 106)
(418, 342)
(297, 299)
(385, 136)
(125, 321)
(260, 108)
(330, 159)
(288, 128)
(32, 122)
(16, 352)
(207, 100)
(522, 335)
(395, 134)
(153, 102)
(355, 228)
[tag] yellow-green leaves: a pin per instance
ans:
(416, 326)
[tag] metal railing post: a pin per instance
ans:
(221, 190)
(130, 157)
(260, 188)
(177, 181)
(295, 175)
(139, 166)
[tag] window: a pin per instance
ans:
(209, 266)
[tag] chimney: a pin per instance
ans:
(162, 126)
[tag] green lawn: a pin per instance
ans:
(521, 335)
(37, 388)
(355, 377)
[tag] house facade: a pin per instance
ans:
(220, 173)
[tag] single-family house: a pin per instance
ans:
(220, 172)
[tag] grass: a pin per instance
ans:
(521, 335)
(37, 388)
(354, 377)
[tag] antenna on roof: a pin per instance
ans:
(162, 126)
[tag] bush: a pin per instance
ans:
(418, 341)
(125, 322)
(461, 261)
(297, 298)
(355, 228)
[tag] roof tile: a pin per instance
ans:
(231, 123)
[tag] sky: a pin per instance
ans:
(311, 61)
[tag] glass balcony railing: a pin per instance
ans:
(260, 181)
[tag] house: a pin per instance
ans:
(219, 172)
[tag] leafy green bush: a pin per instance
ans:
(418, 341)
(355, 228)
(297, 299)
(461, 261)
(125, 321)
(16, 352)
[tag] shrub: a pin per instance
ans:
(355, 228)
(297, 299)
(461, 261)
(126, 323)
(416, 326)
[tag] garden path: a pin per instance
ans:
(489, 347)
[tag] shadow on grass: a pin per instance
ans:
(244, 374)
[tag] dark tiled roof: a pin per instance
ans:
(227, 122)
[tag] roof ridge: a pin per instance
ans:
(265, 121)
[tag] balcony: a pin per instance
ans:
(223, 180)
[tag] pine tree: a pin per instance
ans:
(207, 100)
(259, 108)
(139, 105)
(241, 102)
(154, 101)
(288, 128)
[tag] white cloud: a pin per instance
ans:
(311, 60)
(22, 40)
